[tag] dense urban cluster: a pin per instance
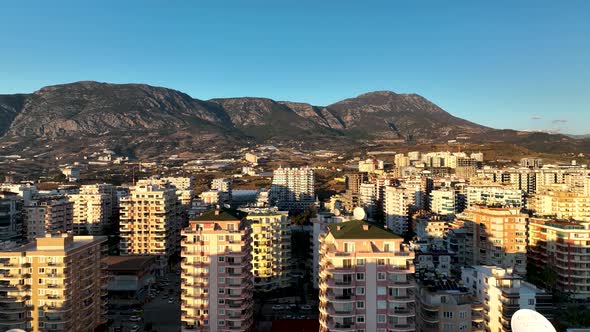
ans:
(437, 241)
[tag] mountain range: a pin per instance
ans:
(142, 120)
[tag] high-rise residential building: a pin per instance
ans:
(563, 246)
(502, 293)
(293, 188)
(367, 198)
(444, 305)
(401, 160)
(443, 201)
(12, 228)
(223, 185)
(53, 284)
(561, 205)
(414, 155)
(51, 215)
(150, 222)
(93, 208)
(531, 162)
(366, 280)
(353, 181)
(499, 235)
(320, 228)
(185, 188)
(271, 248)
(396, 207)
(431, 229)
(493, 195)
(217, 285)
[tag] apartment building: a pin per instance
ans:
(12, 228)
(367, 198)
(502, 293)
(320, 228)
(271, 248)
(293, 188)
(443, 201)
(93, 208)
(150, 222)
(445, 305)
(499, 236)
(493, 195)
(51, 215)
(217, 284)
(396, 207)
(432, 229)
(564, 246)
(366, 280)
(53, 284)
(561, 205)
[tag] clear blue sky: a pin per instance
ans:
(506, 64)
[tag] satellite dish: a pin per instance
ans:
(227, 206)
(337, 212)
(525, 320)
(359, 213)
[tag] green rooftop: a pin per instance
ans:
(223, 215)
(355, 229)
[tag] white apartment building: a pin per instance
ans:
(396, 206)
(93, 208)
(502, 294)
(493, 195)
(443, 201)
(293, 188)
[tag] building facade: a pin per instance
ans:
(51, 215)
(216, 279)
(293, 188)
(54, 284)
(366, 280)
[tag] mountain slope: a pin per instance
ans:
(10, 106)
(385, 114)
(147, 121)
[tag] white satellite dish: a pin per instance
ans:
(337, 212)
(227, 206)
(525, 320)
(359, 213)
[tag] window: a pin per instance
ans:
(348, 246)
(360, 319)
(221, 291)
(381, 304)
(360, 276)
(449, 327)
(360, 261)
(221, 270)
(360, 291)
(381, 276)
(221, 312)
(221, 323)
(447, 314)
(360, 305)
(221, 259)
(221, 301)
(531, 301)
(221, 280)
(381, 262)
(381, 319)
(381, 291)
(463, 314)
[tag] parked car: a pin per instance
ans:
(135, 318)
(306, 307)
(278, 307)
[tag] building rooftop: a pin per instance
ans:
(221, 214)
(128, 263)
(358, 229)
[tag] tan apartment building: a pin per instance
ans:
(565, 247)
(561, 205)
(216, 279)
(271, 248)
(53, 284)
(93, 208)
(51, 215)
(499, 236)
(366, 280)
(150, 222)
(445, 305)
